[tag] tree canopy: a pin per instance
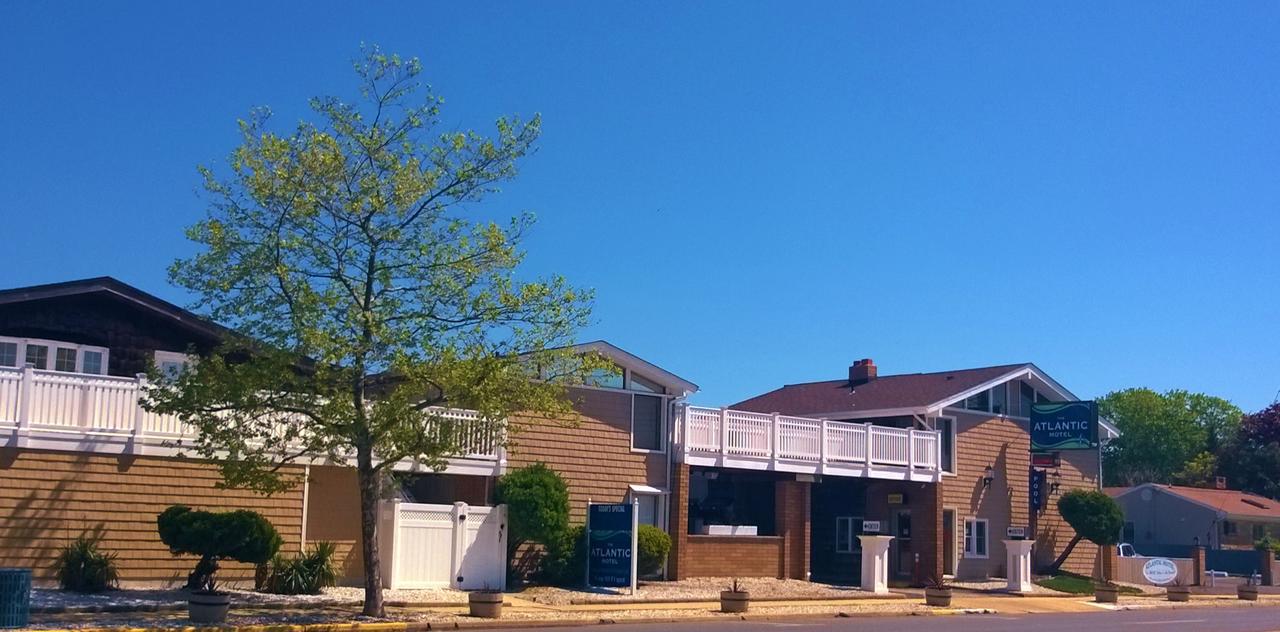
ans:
(1161, 433)
(368, 290)
(1252, 460)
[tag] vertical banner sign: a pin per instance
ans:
(610, 536)
(1064, 426)
(1039, 478)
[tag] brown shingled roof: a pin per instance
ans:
(1232, 502)
(911, 390)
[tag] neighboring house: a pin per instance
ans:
(80, 456)
(1168, 520)
(941, 460)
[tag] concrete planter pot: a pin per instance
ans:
(1106, 594)
(485, 604)
(734, 600)
(1178, 593)
(940, 597)
(1246, 592)
(208, 607)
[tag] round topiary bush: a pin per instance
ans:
(243, 536)
(652, 546)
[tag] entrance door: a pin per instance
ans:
(903, 562)
(949, 541)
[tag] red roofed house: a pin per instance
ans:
(1166, 519)
(941, 461)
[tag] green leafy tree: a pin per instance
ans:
(1094, 516)
(1160, 433)
(352, 252)
(1199, 471)
(537, 501)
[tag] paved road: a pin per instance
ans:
(1255, 619)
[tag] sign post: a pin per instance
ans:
(611, 545)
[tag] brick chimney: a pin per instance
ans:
(862, 371)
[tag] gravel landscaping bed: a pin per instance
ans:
(699, 589)
(1001, 586)
(48, 600)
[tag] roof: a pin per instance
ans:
(122, 291)
(886, 392)
(1114, 491)
(631, 361)
(1233, 503)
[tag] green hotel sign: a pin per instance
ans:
(1064, 426)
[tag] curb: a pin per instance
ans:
(804, 598)
(269, 605)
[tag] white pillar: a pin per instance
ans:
(1018, 563)
(875, 563)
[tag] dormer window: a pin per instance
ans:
(171, 364)
(994, 400)
(66, 357)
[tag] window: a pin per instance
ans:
(980, 401)
(648, 506)
(9, 354)
(92, 362)
(975, 538)
(38, 356)
(1259, 532)
(1230, 528)
(847, 530)
(646, 422)
(1000, 399)
(64, 360)
(946, 427)
(605, 378)
(641, 383)
(1128, 532)
(171, 363)
(1026, 397)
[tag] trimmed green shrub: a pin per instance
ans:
(652, 546)
(243, 536)
(304, 574)
(537, 503)
(82, 568)
(565, 562)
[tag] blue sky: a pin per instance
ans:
(760, 193)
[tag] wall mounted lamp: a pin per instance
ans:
(988, 475)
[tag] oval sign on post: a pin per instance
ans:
(1159, 570)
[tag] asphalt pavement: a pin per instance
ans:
(1217, 619)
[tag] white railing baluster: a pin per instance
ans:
(24, 396)
(724, 431)
(911, 448)
(822, 441)
(773, 437)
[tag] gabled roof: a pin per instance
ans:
(627, 360)
(121, 291)
(1230, 502)
(911, 391)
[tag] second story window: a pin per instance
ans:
(67, 357)
(993, 400)
(171, 363)
(8, 354)
(38, 355)
(648, 432)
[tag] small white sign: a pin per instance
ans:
(1016, 533)
(871, 526)
(1160, 571)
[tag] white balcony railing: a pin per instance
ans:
(98, 413)
(738, 438)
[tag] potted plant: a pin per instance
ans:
(1178, 591)
(485, 603)
(1247, 591)
(243, 536)
(937, 592)
(1106, 591)
(735, 599)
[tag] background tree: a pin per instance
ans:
(1162, 432)
(1251, 461)
(1094, 516)
(351, 251)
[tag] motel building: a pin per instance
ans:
(778, 485)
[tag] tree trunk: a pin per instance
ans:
(369, 496)
(1071, 546)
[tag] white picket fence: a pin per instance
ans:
(437, 546)
(778, 438)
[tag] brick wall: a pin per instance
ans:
(732, 556)
(47, 499)
(594, 455)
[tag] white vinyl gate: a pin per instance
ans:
(439, 546)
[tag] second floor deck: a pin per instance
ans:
(720, 437)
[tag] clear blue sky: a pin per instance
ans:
(759, 193)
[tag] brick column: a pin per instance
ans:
(679, 522)
(926, 527)
(1110, 561)
(1197, 566)
(791, 515)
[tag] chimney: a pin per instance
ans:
(862, 371)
